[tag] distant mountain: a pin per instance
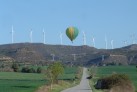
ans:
(38, 53)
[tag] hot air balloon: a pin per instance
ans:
(72, 33)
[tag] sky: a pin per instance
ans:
(117, 19)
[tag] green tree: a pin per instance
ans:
(53, 71)
(15, 67)
(31, 70)
(28, 70)
(39, 70)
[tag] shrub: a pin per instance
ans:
(31, 70)
(114, 81)
(25, 69)
(15, 67)
(28, 70)
(39, 70)
(124, 87)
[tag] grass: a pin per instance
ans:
(103, 71)
(20, 82)
(29, 82)
(69, 73)
(21, 76)
(20, 85)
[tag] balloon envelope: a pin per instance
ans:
(72, 33)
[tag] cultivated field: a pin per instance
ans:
(29, 82)
(20, 82)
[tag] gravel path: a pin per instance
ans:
(83, 86)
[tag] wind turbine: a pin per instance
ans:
(93, 40)
(53, 57)
(125, 43)
(74, 55)
(84, 38)
(74, 59)
(103, 57)
(43, 36)
(106, 42)
(31, 35)
(12, 35)
(133, 38)
(61, 37)
(112, 44)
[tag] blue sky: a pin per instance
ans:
(115, 18)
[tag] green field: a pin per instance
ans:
(28, 82)
(70, 73)
(131, 71)
(20, 82)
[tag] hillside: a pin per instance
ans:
(38, 53)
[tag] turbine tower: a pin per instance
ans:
(103, 57)
(74, 56)
(12, 35)
(106, 42)
(31, 35)
(43, 36)
(133, 38)
(74, 59)
(112, 44)
(53, 57)
(61, 37)
(84, 38)
(93, 40)
(125, 43)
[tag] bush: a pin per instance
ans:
(113, 81)
(15, 67)
(31, 70)
(124, 87)
(25, 69)
(28, 70)
(39, 70)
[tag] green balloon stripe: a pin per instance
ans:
(75, 32)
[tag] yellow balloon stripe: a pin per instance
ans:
(71, 32)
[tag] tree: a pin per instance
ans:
(53, 71)
(39, 70)
(28, 70)
(15, 67)
(25, 69)
(31, 70)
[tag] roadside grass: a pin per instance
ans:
(63, 85)
(68, 79)
(92, 83)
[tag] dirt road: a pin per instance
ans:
(83, 86)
